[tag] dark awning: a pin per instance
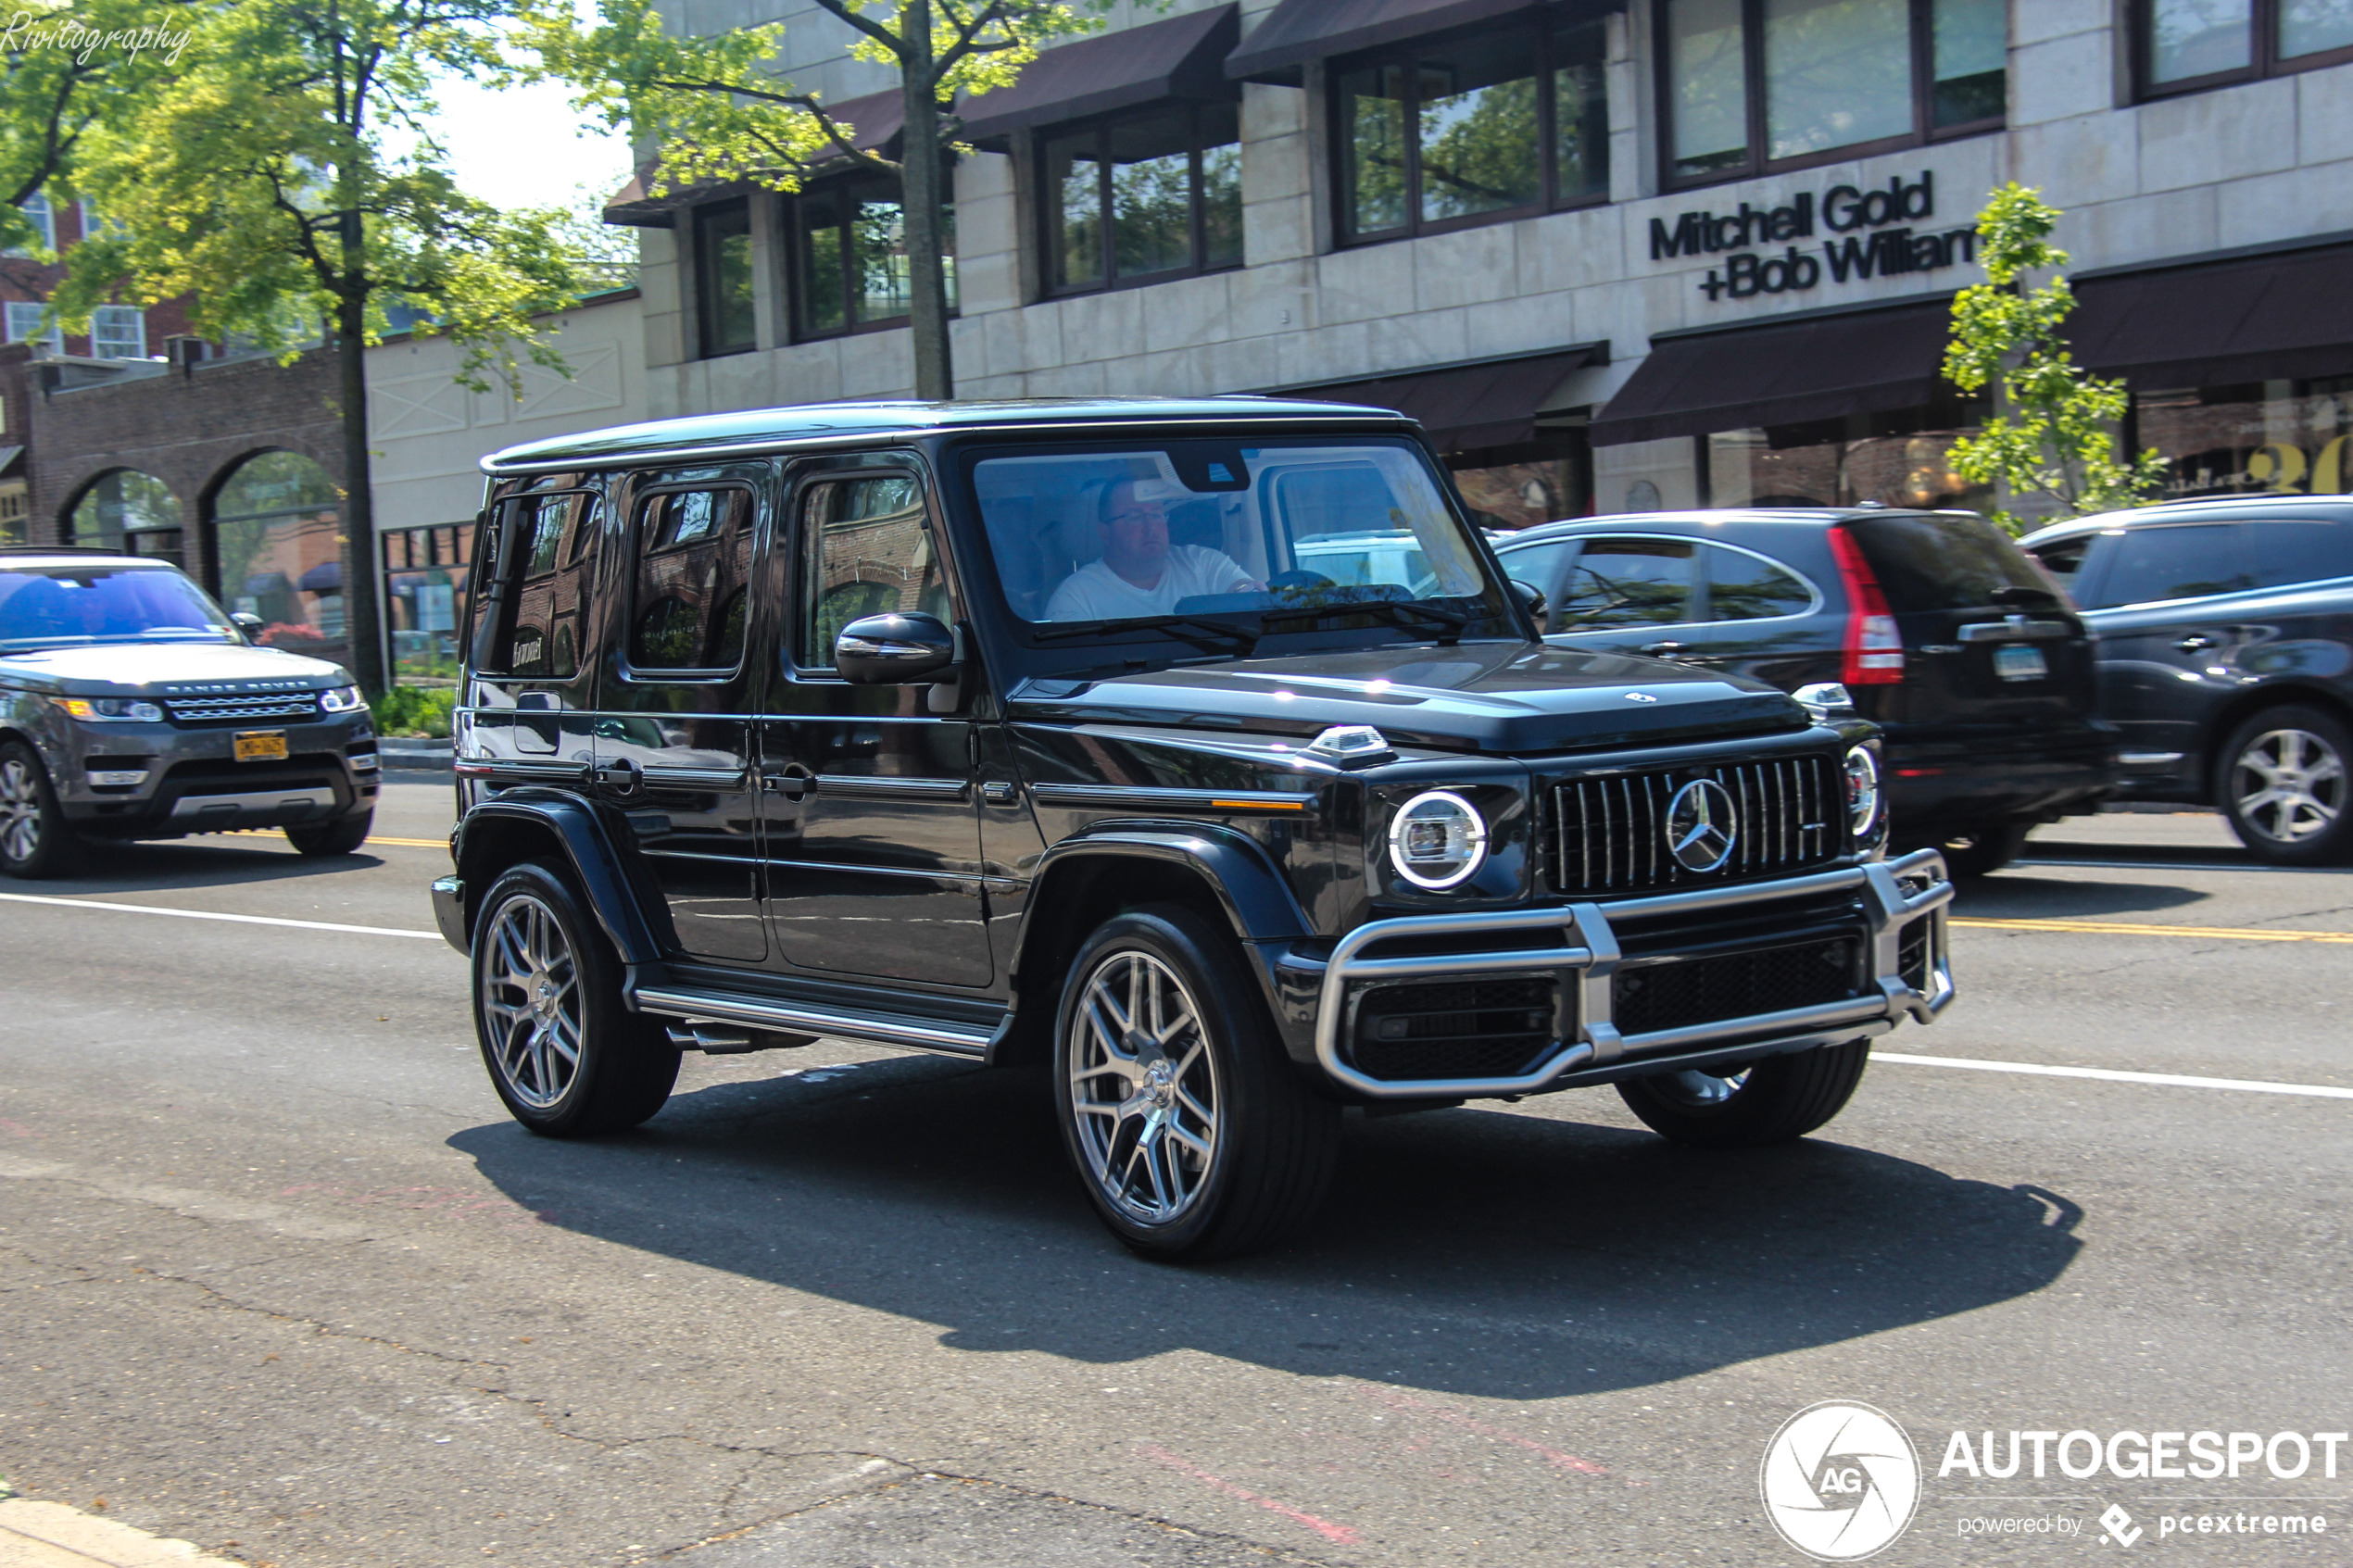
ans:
(2274, 317)
(1298, 30)
(324, 578)
(875, 122)
(1177, 57)
(1489, 403)
(1857, 362)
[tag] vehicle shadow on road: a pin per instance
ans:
(200, 862)
(1468, 1251)
(2021, 894)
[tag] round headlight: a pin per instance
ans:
(1862, 790)
(1436, 840)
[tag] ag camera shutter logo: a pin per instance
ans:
(1840, 1481)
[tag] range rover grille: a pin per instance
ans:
(1609, 835)
(242, 710)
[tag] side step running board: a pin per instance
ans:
(880, 1029)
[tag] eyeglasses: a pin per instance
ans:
(1142, 511)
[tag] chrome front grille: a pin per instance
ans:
(1609, 835)
(242, 710)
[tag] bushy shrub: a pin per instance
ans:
(415, 713)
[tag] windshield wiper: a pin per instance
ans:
(1398, 612)
(1243, 639)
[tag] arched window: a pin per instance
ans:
(277, 533)
(128, 510)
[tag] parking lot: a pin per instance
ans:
(282, 1278)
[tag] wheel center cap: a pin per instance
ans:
(543, 999)
(1160, 1082)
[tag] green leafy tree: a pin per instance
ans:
(281, 178)
(722, 114)
(2054, 431)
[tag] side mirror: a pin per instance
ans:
(1826, 699)
(247, 623)
(1532, 596)
(897, 648)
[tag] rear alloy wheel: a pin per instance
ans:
(34, 840)
(2283, 787)
(1771, 1100)
(1193, 1133)
(564, 1052)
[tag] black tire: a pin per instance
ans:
(1251, 1172)
(2312, 827)
(532, 931)
(1771, 1100)
(341, 836)
(1985, 848)
(35, 840)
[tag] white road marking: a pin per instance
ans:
(215, 914)
(2170, 1080)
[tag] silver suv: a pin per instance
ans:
(131, 708)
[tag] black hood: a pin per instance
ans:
(1481, 696)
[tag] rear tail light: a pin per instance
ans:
(1874, 648)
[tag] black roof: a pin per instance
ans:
(758, 429)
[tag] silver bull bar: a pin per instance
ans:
(1586, 959)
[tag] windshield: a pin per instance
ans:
(1233, 540)
(58, 605)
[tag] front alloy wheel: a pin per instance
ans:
(34, 839)
(1143, 1088)
(2284, 787)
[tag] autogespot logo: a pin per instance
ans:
(1840, 1481)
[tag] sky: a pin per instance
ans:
(527, 148)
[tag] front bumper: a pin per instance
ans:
(1585, 956)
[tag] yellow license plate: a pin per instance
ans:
(261, 745)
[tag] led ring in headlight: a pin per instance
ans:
(1436, 839)
(1862, 790)
(341, 699)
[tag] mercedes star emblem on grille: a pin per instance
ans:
(1701, 825)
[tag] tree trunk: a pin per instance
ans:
(359, 551)
(924, 184)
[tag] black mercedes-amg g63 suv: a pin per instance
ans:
(1198, 750)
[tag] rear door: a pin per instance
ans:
(1989, 649)
(1633, 593)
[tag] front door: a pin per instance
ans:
(869, 796)
(673, 728)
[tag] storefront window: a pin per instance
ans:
(2196, 43)
(849, 258)
(277, 528)
(1163, 187)
(2289, 438)
(723, 251)
(1837, 76)
(129, 510)
(424, 571)
(1896, 459)
(1507, 494)
(1438, 135)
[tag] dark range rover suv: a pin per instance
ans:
(2226, 657)
(1199, 749)
(1942, 632)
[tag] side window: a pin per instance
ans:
(689, 608)
(1745, 587)
(1539, 566)
(2176, 561)
(2063, 559)
(869, 548)
(555, 544)
(2300, 551)
(1629, 583)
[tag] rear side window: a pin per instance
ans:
(2192, 560)
(1943, 560)
(1630, 583)
(694, 564)
(1745, 587)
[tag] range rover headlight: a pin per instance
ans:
(1436, 839)
(342, 699)
(1862, 791)
(114, 709)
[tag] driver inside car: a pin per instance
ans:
(1140, 572)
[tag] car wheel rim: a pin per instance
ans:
(1702, 1090)
(531, 1002)
(2288, 785)
(1143, 1089)
(19, 812)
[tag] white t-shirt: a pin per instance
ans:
(1096, 593)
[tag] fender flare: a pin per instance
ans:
(1258, 902)
(589, 850)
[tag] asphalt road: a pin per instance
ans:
(278, 1276)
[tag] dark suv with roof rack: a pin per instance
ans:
(1932, 624)
(1199, 749)
(130, 707)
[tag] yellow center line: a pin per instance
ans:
(373, 838)
(2128, 928)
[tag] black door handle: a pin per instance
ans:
(623, 775)
(1663, 650)
(2196, 642)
